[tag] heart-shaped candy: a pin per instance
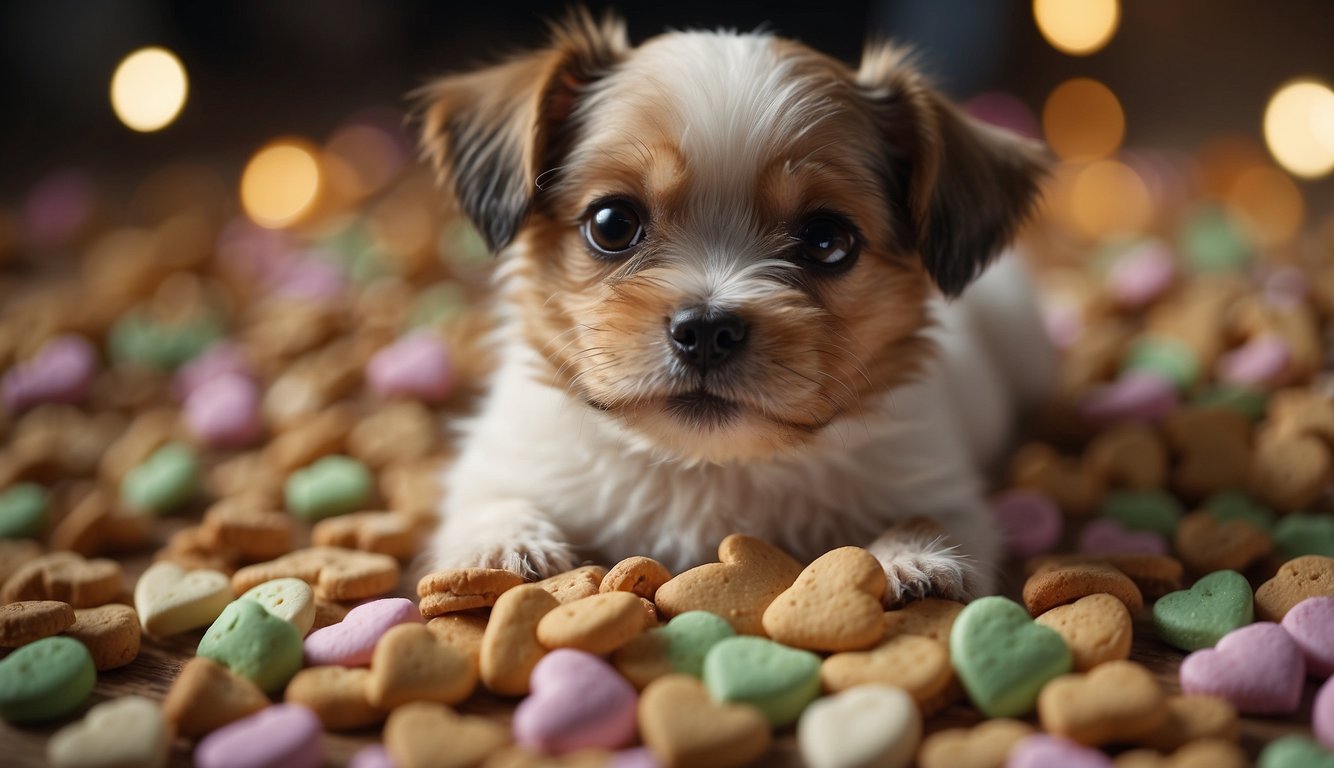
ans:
(254, 644)
(679, 647)
(45, 680)
(165, 481)
(333, 485)
(417, 366)
(1156, 511)
(284, 734)
(777, 680)
(1260, 362)
(1043, 751)
(1198, 617)
(1135, 396)
(1030, 520)
(683, 726)
(748, 577)
(171, 600)
(578, 701)
(287, 598)
(124, 731)
(412, 663)
(834, 605)
(867, 725)
(22, 511)
(1106, 536)
(1141, 274)
(1258, 668)
(1297, 535)
(60, 372)
(351, 642)
(1295, 752)
(1322, 715)
(224, 412)
(224, 358)
(1311, 625)
(1003, 658)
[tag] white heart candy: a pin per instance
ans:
(289, 599)
(122, 732)
(171, 600)
(870, 726)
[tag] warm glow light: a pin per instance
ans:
(280, 183)
(1077, 27)
(149, 89)
(1268, 202)
(1083, 120)
(1299, 128)
(1109, 198)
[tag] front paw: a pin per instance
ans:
(512, 535)
(945, 575)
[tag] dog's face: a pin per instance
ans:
(724, 241)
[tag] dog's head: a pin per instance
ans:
(724, 240)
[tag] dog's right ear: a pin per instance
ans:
(491, 133)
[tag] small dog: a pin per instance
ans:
(723, 265)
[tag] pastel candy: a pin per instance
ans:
(1134, 396)
(45, 680)
(1141, 275)
(1286, 287)
(1247, 401)
(578, 701)
(1106, 536)
(224, 412)
(1295, 752)
(1156, 511)
(870, 725)
(221, 359)
(1262, 361)
(351, 642)
(22, 511)
(171, 600)
(778, 681)
(639, 757)
(281, 736)
(1166, 357)
(373, 756)
(1322, 715)
(254, 644)
(1063, 321)
(163, 482)
(1311, 625)
(1200, 616)
(1029, 519)
(1234, 505)
(138, 338)
(1213, 241)
(60, 372)
(1258, 668)
(289, 599)
(1043, 751)
(309, 278)
(1298, 534)
(1002, 658)
(126, 731)
(333, 485)
(416, 366)
(678, 647)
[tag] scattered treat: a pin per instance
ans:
(1128, 456)
(334, 572)
(333, 485)
(397, 433)
(289, 599)
(1029, 519)
(1206, 544)
(241, 524)
(509, 647)
(598, 624)
(1106, 536)
(1296, 580)
(1041, 751)
(66, 577)
(1295, 752)
(684, 726)
(125, 731)
(23, 511)
(412, 663)
(110, 633)
(463, 589)
(777, 680)
(1194, 718)
(1155, 511)
(98, 525)
(1259, 669)
(679, 647)
(61, 372)
(415, 366)
(254, 644)
(578, 701)
(584, 581)
(206, 696)
(352, 641)
(282, 734)
(224, 412)
(639, 575)
(45, 680)
(163, 482)
(387, 533)
(171, 600)
(337, 696)
(747, 578)
(1322, 715)
(24, 622)
(930, 617)
(418, 735)
(1199, 617)
(463, 632)
(983, 746)
(1097, 629)
(1207, 753)
(1310, 623)
(867, 725)
(834, 605)
(1003, 658)
(1059, 585)
(1118, 702)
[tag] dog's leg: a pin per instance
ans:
(512, 534)
(922, 560)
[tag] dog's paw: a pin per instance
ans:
(512, 535)
(919, 562)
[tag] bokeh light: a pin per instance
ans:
(1268, 203)
(149, 89)
(1082, 120)
(1108, 198)
(1299, 128)
(1005, 111)
(280, 183)
(1077, 27)
(370, 153)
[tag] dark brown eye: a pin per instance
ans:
(612, 227)
(827, 242)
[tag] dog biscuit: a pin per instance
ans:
(66, 577)
(598, 624)
(110, 632)
(420, 734)
(206, 696)
(337, 696)
(985, 745)
(334, 572)
(834, 604)
(1296, 580)
(640, 575)
(747, 578)
(24, 622)
(683, 726)
(1097, 629)
(412, 663)
(1055, 586)
(387, 533)
(918, 665)
(584, 581)
(1116, 702)
(509, 647)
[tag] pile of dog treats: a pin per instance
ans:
(258, 414)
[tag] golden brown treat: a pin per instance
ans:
(1116, 702)
(14, 553)
(414, 487)
(110, 632)
(247, 526)
(1074, 488)
(510, 648)
(834, 605)
(640, 575)
(1129, 456)
(1212, 446)
(929, 617)
(576, 584)
(1304, 411)
(67, 577)
(335, 573)
(683, 727)
(463, 589)
(23, 622)
(1296, 580)
(1206, 753)
(387, 533)
(985, 745)
(749, 575)
(188, 549)
(1155, 575)
(1289, 469)
(328, 613)
(206, 696)
(463, 631)
(429, 735)
(598, 624)
(248, 475)
(918, 665)
(319, 435)
(412, 663)
(1194, 717)
(1097, 629)
(1206, 544)
(1058, 585)
(396, 433)
(147, 433)
(95, 525)
(337, 696)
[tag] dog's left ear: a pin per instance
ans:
(491, 133)
(964, 186)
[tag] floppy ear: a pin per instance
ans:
(491, 133)
(964, 186)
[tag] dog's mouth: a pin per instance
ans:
(702, 408)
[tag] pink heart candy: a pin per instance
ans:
(1064, 322)
(1106, 536)
(639, 757)
(280, 736)
(1322, 715)
(1136, 396)
(351, 642)
(373, 756)
(224, 412)
(1258, 668)
(1311, 625)
(578, 701)
(1030, 520)
(1286, 287)
(1260, 361)
(1141, 275)
(311, 277)
(1043, 751)
(416, 365)
(60, 372)
(220, 359)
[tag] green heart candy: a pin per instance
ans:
(1156, 511)
(777, 680)
(254, 644)
(1167, 357)
(1297, 535)
(1295, 752)
(45, 680)
(1198, 617)
(22, 511)
(1003, 658)
(1213, 241)
(334, 485)
(1235, 505)
(166, 480)
(1250, 403)
(137, 338)
(688, 637)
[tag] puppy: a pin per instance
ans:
(724, 265)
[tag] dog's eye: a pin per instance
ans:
(613, 227)
(827, 241)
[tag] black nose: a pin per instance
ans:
(706, 339)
